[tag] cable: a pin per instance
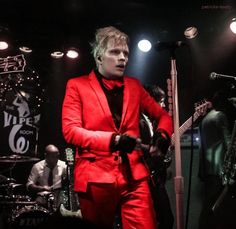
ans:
(190, 178)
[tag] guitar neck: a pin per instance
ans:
(72, 199)
(185, 126)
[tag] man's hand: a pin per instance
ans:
(160, 144)
(125, 143)
(47, 188)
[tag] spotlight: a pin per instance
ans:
(233, 25)
(72, 53)
(191, 32)
(144, 45)
(25, 49)
(3, 45)
(5, 37)
(57, 54)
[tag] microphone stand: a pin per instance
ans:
(178, 180)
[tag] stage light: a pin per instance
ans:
(57, 54)
(72, 53)
(233, 25)
(144, 45)
(5, 37)
(3, 45)
(191, 32)
(25, 49)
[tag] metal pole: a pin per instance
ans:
(178, 180)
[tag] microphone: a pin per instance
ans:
(214, 76)
(159, 46)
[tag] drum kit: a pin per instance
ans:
(16, 210)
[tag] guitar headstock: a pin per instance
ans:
(202, 107)
(69, 156)
(12, 64)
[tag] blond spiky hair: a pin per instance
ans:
(103, 35)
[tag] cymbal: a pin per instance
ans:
(10, 180)
(17, 158)
(10, 185)
(13, 185)
(17, 202)
(6, 180)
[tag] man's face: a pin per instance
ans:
(51, 158)
(113, 62)
(162, 102)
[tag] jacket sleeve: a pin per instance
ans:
(72, 122)
(156, 112)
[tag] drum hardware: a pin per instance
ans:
(10, 205)
(16, 200)
(6, 180)
(5, 188)
(47, 199)
(28, 216)
(17, 158)
(51, 205)
(9, 188)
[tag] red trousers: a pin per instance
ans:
(133, 203)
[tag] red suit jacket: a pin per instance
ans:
(87, 123)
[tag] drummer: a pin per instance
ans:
(45, 179)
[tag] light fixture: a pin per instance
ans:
(191, 32)
(72, 53)
(3, 45)
(5, 37)
(144, 45)
(25, 49)
(57, 54)
(233, 25)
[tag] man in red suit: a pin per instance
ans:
(100, 116)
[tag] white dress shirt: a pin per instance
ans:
(40, 172)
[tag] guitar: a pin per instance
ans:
(200, 110)
(12, 64)
(73, 201)
(158, 165)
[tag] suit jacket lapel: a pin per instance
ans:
(101, 97)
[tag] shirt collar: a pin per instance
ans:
(109, 84)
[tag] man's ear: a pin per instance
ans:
(99, 59)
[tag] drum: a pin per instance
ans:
(29, 216)
(47, 200)
(18, 198)
(52, 200)
(15, 200)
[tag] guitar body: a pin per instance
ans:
(157, 165)
(70, 206)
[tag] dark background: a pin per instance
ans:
(51, 25)
(46, 26)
